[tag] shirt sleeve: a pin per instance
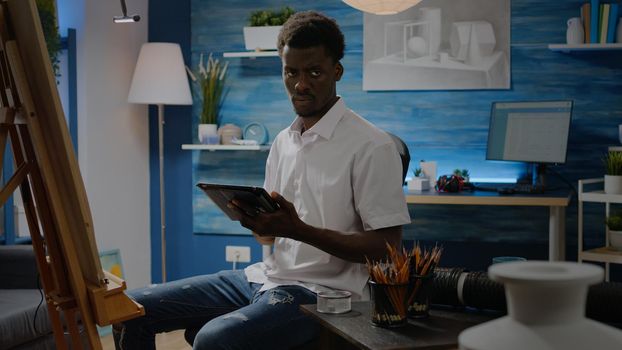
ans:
(269, 183)
(377, 184)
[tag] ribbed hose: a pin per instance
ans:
(604, 303)
(459, 288)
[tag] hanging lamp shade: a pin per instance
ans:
(382, 7)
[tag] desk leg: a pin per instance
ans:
(557, 234)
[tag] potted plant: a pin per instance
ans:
(264, 27)
(209, 86)
(419, 182)
(464, 174)
(613, 172)
(49, 24)
(614, 226)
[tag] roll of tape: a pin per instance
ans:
(334, 302)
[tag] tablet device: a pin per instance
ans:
(257, 200)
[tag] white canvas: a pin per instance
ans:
(439, 45)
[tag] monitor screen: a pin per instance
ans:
(529, 131)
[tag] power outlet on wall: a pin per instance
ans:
(237, 254)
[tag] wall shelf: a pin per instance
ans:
(199, 147)
(251, 54)
(585, 47)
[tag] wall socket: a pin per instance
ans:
(237, 253)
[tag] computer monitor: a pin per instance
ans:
(530, 131)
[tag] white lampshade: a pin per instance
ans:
(160, 76)
(382, 7)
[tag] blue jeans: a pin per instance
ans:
(230, 312)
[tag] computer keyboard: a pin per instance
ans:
(513, 189)
(528, 188)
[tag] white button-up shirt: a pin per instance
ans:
(342, 174)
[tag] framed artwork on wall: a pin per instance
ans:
(439, 45)
(111, 262)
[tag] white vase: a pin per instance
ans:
(208, 134)
(574, 31)
(546, 310)
(615, 239)
(613, 184)
(228, 133)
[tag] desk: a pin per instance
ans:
(557, 202)
(354, 330)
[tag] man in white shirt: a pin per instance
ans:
(337, 179)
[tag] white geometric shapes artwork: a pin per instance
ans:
(418, 46)
(483, 38)
(470, 41)
(459, 40)
(431, 31)
(482, 42)
(439, 45)
(382, 7)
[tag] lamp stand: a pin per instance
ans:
(162, 202)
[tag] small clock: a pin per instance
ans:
(256, 131)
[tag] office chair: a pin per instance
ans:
(402, 149)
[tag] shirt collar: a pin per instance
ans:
(326, 125)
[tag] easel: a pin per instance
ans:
(47, 173)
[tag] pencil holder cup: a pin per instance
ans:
(420, 287)
(388, 304)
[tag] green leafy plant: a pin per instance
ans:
(47, 15)
(270, 18)
(613, 163)
(614, 222)
(209, 86)
(464, 173)
(418, 172)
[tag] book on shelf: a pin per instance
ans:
(585, 20)
(614, 17)
(594, 20)
(603, 23)
(600, 19)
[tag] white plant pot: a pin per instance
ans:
(613, 184)
(208, 134)
(546, 310)
(261, 38)
(615, 240)
(418, 184)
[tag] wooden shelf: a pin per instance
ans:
(198, 147)
(602, 254)
(584, 47)
(251, 54)
(600, 197)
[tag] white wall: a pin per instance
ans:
(112, 134)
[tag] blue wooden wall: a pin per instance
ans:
(447, 126)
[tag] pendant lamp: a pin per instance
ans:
(382, 7)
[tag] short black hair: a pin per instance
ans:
(310, 28)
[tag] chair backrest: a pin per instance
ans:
(404, 154)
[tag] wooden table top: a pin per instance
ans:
(439, 331)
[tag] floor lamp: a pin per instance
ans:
(160, 79)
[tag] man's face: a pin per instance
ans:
(310, 77)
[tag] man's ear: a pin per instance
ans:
(338, 71)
